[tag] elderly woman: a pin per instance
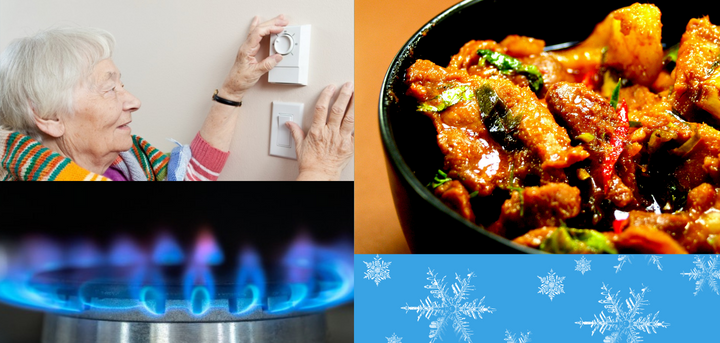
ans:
(64, 115)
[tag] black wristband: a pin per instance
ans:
(215, 97)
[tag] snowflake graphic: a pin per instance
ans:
(377, 270)
(449, 307)
(394, 339)
(510, 337)
(583, 265)
(705, 272)
(551, 285)
(622, 259)
(624, 322)
(655, 259)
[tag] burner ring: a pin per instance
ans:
(296, 329)
(161, 294)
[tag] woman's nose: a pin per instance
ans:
(131, 103)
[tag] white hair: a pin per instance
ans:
(41, 72)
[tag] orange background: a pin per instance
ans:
(382, 27)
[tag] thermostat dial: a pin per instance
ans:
(284, 43)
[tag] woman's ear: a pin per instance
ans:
(51, 127)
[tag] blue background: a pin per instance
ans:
(510, 285)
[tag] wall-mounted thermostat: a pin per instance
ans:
(294, 45)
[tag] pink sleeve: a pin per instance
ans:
(206, 162)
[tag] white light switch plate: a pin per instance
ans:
(294, 45)
(281, 142)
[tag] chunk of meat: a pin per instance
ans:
(587, 113)
(551, 69)
(697, 75)
(538, 129)
(535, 207)
(700, 199)
(672, 224)
(695, 232)
(535, 237)
(687, 168)
(521, 46)
(647, 240)
(468, 57)
(472, 155)
(453, 194)
(701, 235)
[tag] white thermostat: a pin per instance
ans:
(294, 46)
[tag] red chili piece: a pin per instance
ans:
(617, 142)
(619, 225)
(589, 78)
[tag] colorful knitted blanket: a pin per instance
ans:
(25, 159)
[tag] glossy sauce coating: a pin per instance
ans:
(546, 151)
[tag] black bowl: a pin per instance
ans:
(409, 138)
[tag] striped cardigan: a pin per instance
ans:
(25, 159)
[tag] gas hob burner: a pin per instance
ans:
(131, 292)
(168, 294)
(307, 328)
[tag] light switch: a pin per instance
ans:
(294, 45)
(283, 137)
(281, 141)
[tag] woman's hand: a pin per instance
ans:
(330, 142)
(247, 70)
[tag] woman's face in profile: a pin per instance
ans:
(103, 110)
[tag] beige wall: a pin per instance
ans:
(174, 54)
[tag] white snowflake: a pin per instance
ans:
(449, 307)
(551, 285)
(377, 270)
(624, 322)
(394, 339)
(622, 259)
(705, 272)
(655, 259)
(510, 338)
(583, 265)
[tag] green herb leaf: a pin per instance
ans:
(676, 114)
(586, 137)
(615, 94)
(685, 149)
(449, 97)
(713, 66)
(440, 178)
(577, 241)
(506, 65)
(474, 194)
(672, 54)
(501, 123)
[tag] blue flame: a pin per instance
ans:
(167, 252)
(250, 283)
(84, 253)
(310, 277)
(125, 252)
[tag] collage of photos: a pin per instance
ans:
(524, 171)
